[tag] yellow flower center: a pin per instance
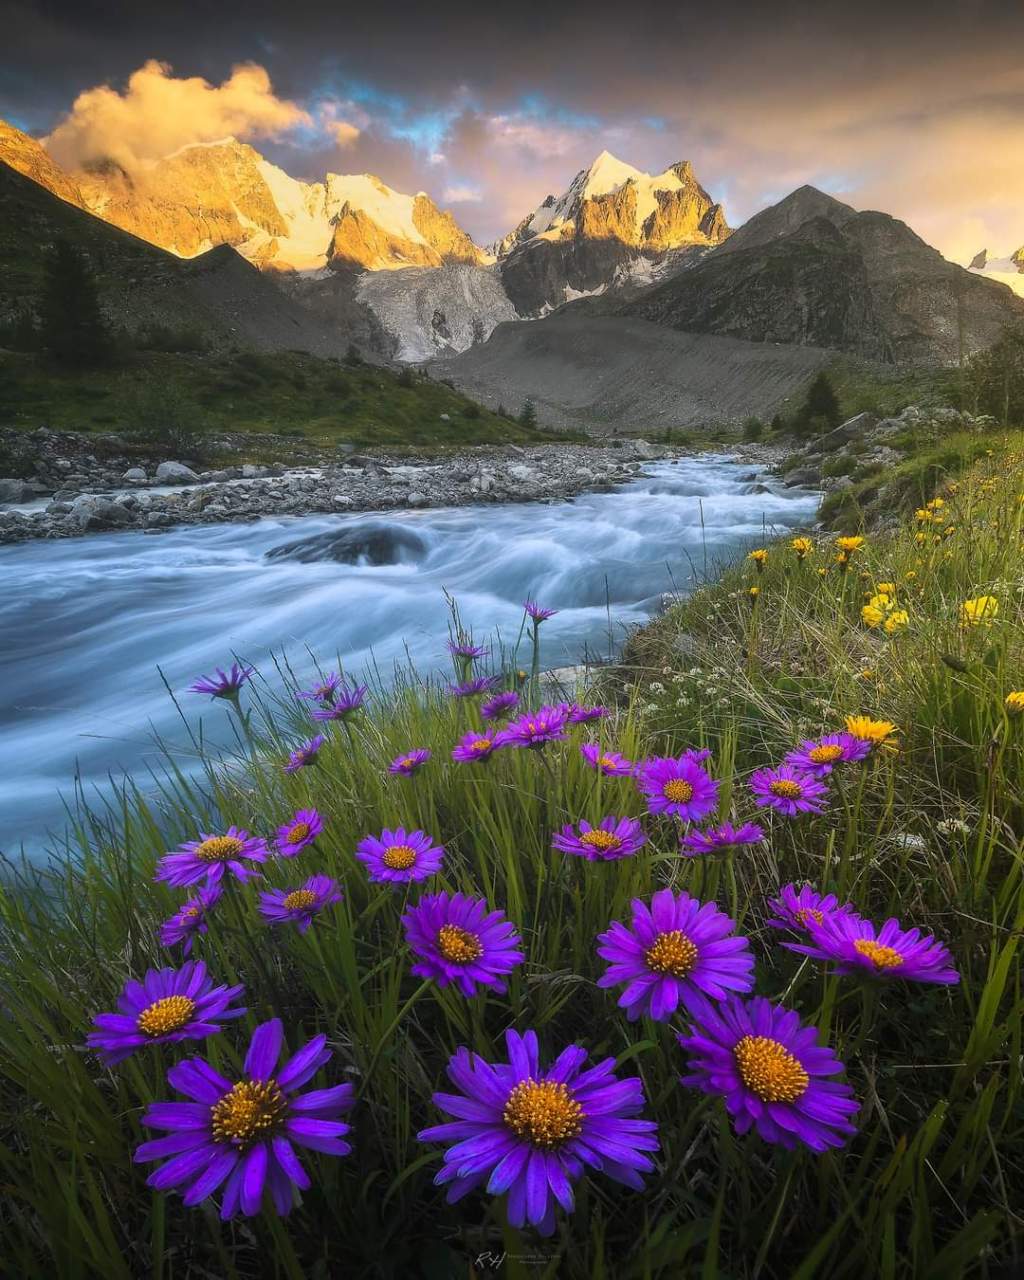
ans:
(166, 1015)
(480, 744)
(298, 833)
(399, 857)
(544, 1113)
(608, 763)
(406, 762)
(678, 791)
(825, 754)
(881, 957)
(252, 1110)
(806, 914)
(190, 912)
(458, 946)
(299, 900)
(219, 849)
(786, 788)
(603, 840)
(672, 953)
(768, 1069)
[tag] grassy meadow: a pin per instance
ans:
(156, 396)
(928, 828)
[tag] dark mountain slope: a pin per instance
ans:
(811, 271)
(217, 294)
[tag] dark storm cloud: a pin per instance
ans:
(913, 107)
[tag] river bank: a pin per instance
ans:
(95, 497)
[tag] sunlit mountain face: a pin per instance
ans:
(488, 120)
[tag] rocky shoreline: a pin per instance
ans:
(70, 497)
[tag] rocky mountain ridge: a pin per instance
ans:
(225, 192)
(811, 271)
(613, 223)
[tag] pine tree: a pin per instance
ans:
(821, 401)
(528, 414)
(72, 327)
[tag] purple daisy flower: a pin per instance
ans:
(789, 790)
(611, 839)
(472, 688)
(225, 684)
(821, 757)
(532, 1133)
(166, 1006)
(496, 707)
(190, 919)
(299, 906)
(538, 614)
(400, 856)
(457, 941)
(305, 755)
(465, 649)
(610, 763)
(534, 728)
(584, 715)
(243, 1132)
(720, 839)
(678, 786)
(798, 909)
(891, 952)
(474, 746)
(769, 1068)
(674, 949)
(346, 703)
(299, 832)
(211, 856)
(406, 765)
(323, 691)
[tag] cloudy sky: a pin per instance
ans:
(913, 107)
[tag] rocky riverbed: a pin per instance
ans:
(68, 496)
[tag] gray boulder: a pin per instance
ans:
(802, 475)
(134, 475)
(16, 491)
(855, 428)
(175, 473)
(93, 512)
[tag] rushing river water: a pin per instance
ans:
(85, 622)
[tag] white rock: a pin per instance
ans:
(175, 473)
(342, 500)
(134, 475)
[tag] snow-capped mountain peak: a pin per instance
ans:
(1008, 270)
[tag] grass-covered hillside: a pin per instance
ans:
(760, 1168)
(153, 394)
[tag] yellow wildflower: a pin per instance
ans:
(871, 616)
(850, 544)
(896, 621)
(979, 612)
(876, 732)
(886, 588)
(759, 557)
(1015, 702)
(802, 547)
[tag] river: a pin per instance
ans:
(85, 622)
